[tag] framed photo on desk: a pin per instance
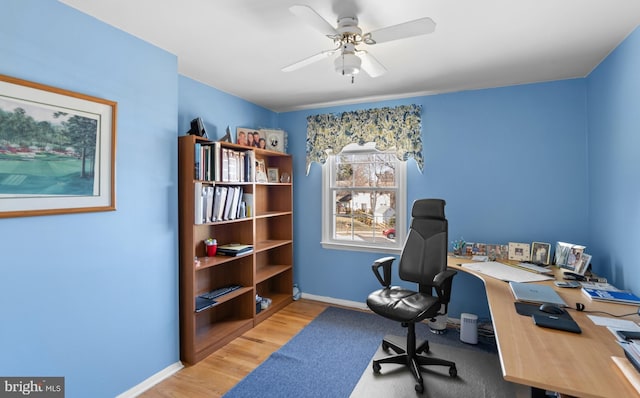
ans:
(540, 252)
(519, 251)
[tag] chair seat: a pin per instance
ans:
(402, 305)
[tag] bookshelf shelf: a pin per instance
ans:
(266, 224)
(267, 272)
(270, 244)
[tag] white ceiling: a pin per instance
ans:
(240, 46)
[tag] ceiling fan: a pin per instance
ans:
(347, 35)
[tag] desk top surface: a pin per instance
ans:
(575, 364)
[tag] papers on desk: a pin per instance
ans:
(626, 366)
(621, 324)
(628, 371)
(505, 272)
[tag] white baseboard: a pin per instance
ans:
(152, 381)
(331, 300)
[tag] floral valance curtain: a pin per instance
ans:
(398, 128)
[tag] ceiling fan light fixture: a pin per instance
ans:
(347, 35)
(348, 64)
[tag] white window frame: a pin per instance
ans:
(328, 242)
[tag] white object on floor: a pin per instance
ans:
(469, 328)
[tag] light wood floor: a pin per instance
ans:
(219, 372)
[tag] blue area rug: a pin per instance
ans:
(328, 357)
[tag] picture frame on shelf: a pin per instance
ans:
(540, 253)
(261, 171)
(276, 140)
(247, 137)
(519, 251)
(273, 174)
(285, 178)
(75, 177)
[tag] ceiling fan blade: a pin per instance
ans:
(370, 64)
(310, 60)
(416, 27)
(314, 19)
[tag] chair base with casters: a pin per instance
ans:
(407, 352)
(424, 262)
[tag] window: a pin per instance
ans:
(364, 200)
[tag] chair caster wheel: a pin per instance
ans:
(453, 372)
(419, 388)
(385, 346)
(376, 367)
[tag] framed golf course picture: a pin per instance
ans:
(57, 150)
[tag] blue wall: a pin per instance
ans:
(218, 110)
(93, 297)
(614, 168)
(510, 162)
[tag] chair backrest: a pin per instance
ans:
(425, 250)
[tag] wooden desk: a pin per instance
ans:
(574, 364)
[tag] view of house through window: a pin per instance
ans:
(363, 198)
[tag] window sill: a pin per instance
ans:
(361, 248)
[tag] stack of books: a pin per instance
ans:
(613, 296)
(234, 249)
(215, 163)
(221, 203)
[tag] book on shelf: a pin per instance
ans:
(242, 210)
(233, 212)
(250, 166)
(199, 210)
(203, 303)
(234, 249)
(217, 194)
(213, 162)
(621, 297)
(209, 202)
(227, 203)
(196, 156)
(233, 166)
(247, 198)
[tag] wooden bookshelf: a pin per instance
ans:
(266, 271)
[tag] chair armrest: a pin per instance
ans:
(385, 263)
(443, 276)
(442, 284)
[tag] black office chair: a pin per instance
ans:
(423, 261)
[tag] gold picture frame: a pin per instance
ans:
(74, 131)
